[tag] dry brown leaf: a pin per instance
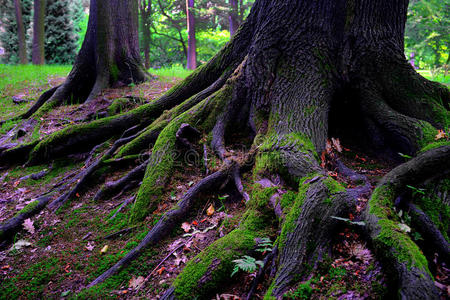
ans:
(441, 135)
(186, 227)
(160, 270)
(28, 225)
(337, 144)
(210, 210)
(136, 282)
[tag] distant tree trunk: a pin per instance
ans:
(20, 33)
(233, 17)
(38, 32)
(146, 14)
(108, 57)
(191, 52)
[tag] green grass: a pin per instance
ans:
(25, 75)
(440, 77)
(176, 70)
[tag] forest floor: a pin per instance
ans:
(58, 253)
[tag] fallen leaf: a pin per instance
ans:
(404, 227)
(186, 227)
(337, 144)
(160, 270)
(195, 223)
(210, 210)
(104, 249)
(6, 267)
(89, 247)
(16, 183)
(136, 282)
(441, 135)
(20, 244)
(28, 225)
(78, 195)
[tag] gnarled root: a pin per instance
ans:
(404, 257)
(169, 220)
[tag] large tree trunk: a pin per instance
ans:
(38, 57)
(295, 73)
(192, 48)
(20, 33)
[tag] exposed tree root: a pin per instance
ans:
(169, 220)
(402, 254)
(8, 229)
(116, 186)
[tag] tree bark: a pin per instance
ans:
(21, 33)
(192, 49)
(38, 57)
(108, 57)
(146, 19)
(233, 17)
(301, 72)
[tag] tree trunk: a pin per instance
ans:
(38, 32)
(146, 19)
(296, 73)
(192, 49)
(21, 33)
(233, 17)
(108, 57)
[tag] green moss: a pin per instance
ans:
(435, 208)
(287, 200)
(294, 213)
(215, 262)
(29, 207)
(203, 116)
(405, 250)
(391, 239)
(428, 134)
(434, 145)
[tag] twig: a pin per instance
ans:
(162, 261)
(113, 235)
(124, 204)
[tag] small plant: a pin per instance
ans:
(250, 264)
(416, 191)
(303, 291)
(246, 263)
(264, 245)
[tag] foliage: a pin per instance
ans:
(427, 33)
(246, 263)
(9, 37)
(64, 20)
(61, 38)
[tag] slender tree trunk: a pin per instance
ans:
(233, 17)
(192, 50)
(38, 57)
(20, 33)
(146, 19)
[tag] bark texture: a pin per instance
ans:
(20, 33)
(295, 74)
(192, 48)
(38, 57)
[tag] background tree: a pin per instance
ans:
(20, 32)
(192, 48)
(234, 16)
(427, 33)
(38, 57)
(9, 37)
(109, 56)
(145, 7)
(61, 37)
